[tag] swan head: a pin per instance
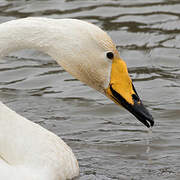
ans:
(92, 57)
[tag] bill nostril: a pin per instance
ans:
(135, 97)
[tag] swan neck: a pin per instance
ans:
(27, 34)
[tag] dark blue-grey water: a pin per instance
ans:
(108, 141)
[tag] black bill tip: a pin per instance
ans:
(142, 114)
(137, 109)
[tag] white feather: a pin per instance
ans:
(28, 151)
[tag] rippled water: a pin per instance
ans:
(108, 141)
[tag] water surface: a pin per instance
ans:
(108, 141)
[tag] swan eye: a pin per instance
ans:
(110, 55)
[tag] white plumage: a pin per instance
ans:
(27, 150)
(30, 152)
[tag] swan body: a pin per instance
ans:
(27, 150)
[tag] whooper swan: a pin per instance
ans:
(30, 152)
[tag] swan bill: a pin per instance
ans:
(122, 92)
